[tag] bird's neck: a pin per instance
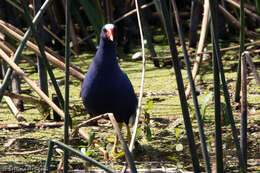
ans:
(106, 53)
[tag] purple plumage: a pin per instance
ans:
(106, 88)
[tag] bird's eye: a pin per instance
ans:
(105, 30)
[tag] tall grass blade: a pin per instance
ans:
(194, 22)
(243, 121)
(42, 72)
(192, 83)
(217, 107)
(159, 10)
(241, 50)
(92, 11)
(257, 5)
(184, 105)
(83, 27)
(225, 88)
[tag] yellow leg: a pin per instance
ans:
(105, 155)
(120, 125)
(128, 134)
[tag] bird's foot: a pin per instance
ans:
(116, 154)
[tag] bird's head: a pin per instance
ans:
(108, 32)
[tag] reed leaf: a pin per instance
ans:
(257, 5)
(93, 13)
